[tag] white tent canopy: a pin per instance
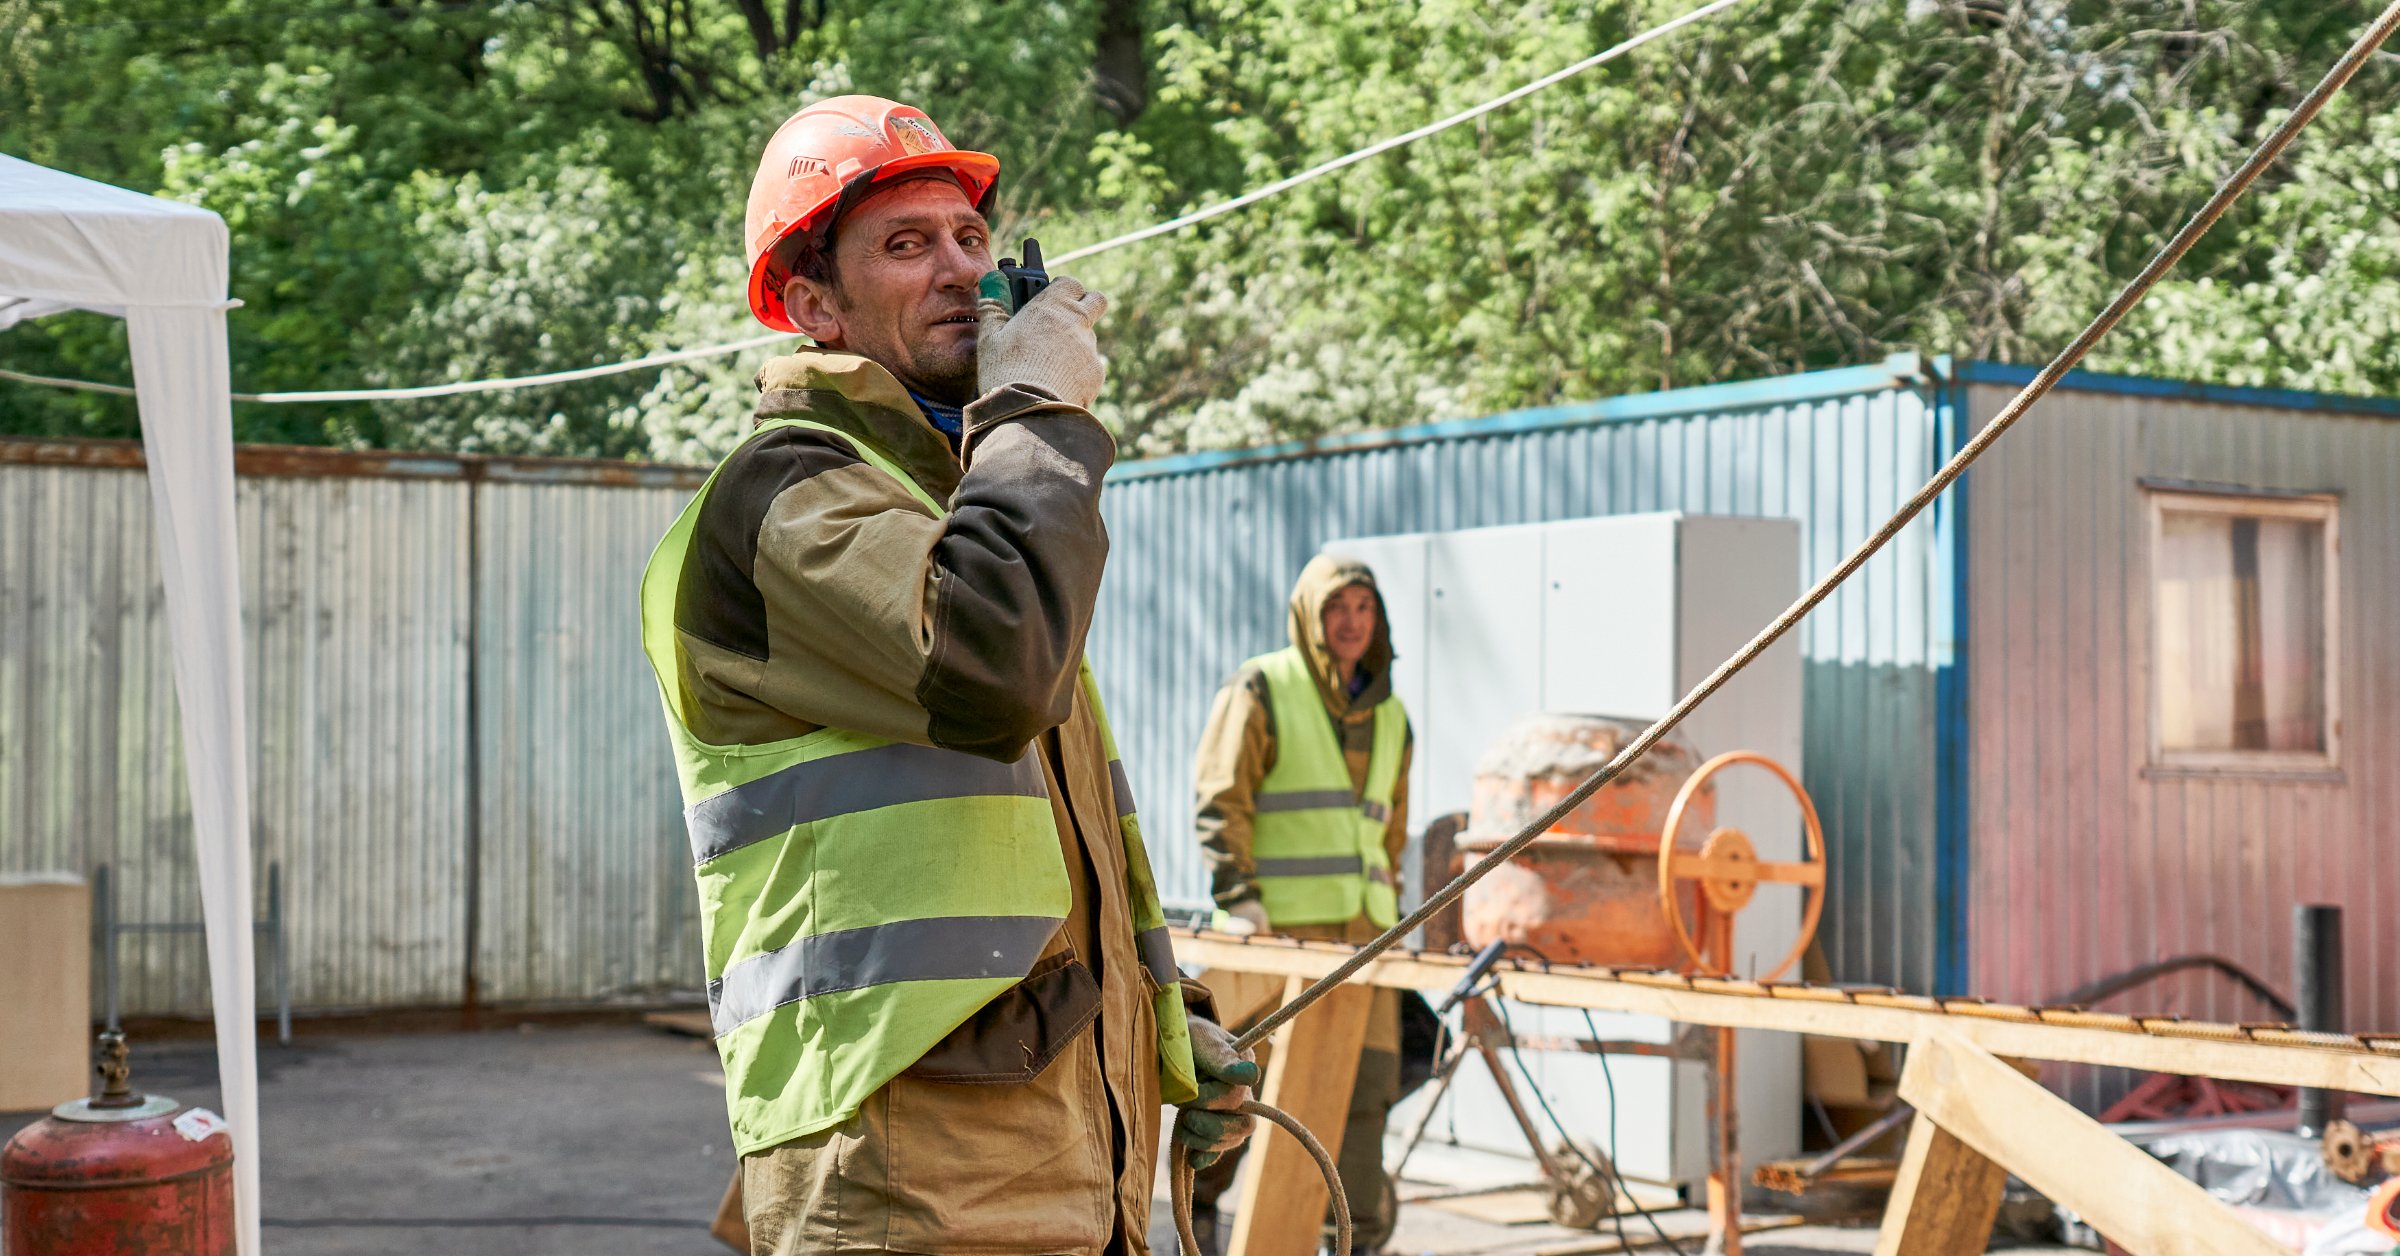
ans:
(70, 243)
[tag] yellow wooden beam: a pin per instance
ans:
(2083, 1038)
(2005, 1118)
(1311, 1070)
(1944, 1200)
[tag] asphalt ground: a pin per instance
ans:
(583, 1136)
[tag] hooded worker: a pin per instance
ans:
(939, 974)
(1302, 778)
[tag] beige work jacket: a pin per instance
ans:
(820, 592)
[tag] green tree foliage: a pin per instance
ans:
(455, 189)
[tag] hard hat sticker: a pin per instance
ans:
(917, 138)
(198, 1124)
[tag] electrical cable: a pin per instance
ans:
(434, 390)
(1611, 1174)
(1197, 216)
(1382, 146)
(1609, 1080)
(1608, 1177)
(2230, 190)
(404, 12)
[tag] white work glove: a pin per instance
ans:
(1048, 344)
(1209, 1126)
(1246, 918)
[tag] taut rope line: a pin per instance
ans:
(2229, 191)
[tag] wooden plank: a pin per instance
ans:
(2225, 1053)
(1281, 1206)
(692, 1024)
(46, 985)
(1945, 1198)
(732, 1224)
(2134, 1201)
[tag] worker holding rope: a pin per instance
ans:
(1303, 814)
(937, 967)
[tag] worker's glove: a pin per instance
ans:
(1246, 918)
(1209, 1126)
(1048, 344)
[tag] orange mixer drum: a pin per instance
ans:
(1586, 891)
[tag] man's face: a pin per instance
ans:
(1350, 625)
(905, 264)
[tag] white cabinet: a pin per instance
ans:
(1617, 616)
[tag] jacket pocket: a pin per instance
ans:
(1016, 1036)
(984, 1169)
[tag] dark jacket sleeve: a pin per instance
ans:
(1016, 573)
(1237, 750)
(820, 587)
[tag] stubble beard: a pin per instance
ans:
(948, 373)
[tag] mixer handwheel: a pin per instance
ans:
(1729, 871)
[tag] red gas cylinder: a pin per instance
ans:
(121, 1174)
(1586, 891)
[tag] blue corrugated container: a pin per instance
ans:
(1205, 547)
(2000, 820)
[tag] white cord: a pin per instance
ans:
(1153, 231)
(1384, 146)
(433, 390)
(80, 385)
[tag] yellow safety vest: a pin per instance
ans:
(1317, 841)
(861, 898)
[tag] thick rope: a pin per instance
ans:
(2227, 193)
(1179, 1179)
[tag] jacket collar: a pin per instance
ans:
(861, 399)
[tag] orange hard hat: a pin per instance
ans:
(824, 158)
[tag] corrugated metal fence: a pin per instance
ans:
(456, 743)
(408, 619)
(1204, 550)
(458, 763)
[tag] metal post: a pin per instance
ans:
(471, 944)
(1486, 1032)
(1724, 1118)
(105, 894)
(2317, 990)
(1443, 1074)
(283, 964)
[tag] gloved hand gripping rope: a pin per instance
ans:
(2131, 295)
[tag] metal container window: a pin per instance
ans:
(2245, 596)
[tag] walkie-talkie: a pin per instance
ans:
(1025, 281)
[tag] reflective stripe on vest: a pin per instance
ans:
(1178, 1081)
(1122, 785)
(1158, 954)
(1323, 800)
(1324, 866)
(942, 948)
(1316, 841)
(864, 780)
(862, 898)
